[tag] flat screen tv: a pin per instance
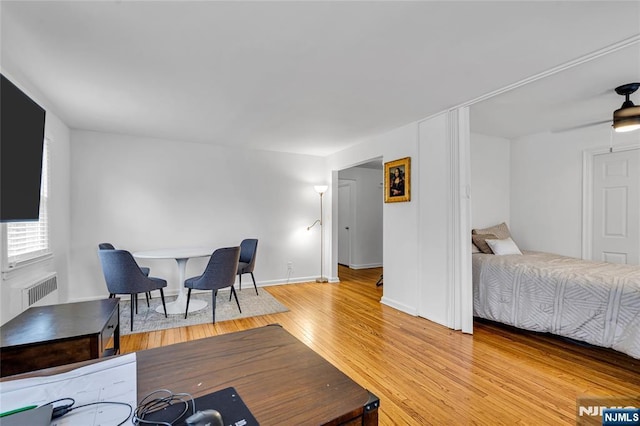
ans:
(21, 145)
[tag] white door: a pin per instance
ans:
(344, 224)
(616, 207)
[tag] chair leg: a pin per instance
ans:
(146, 295)
(188, 298)
(236, 296)
(163, 304)
(132, 302)
(239, 283)
(214, 293)
(254, 283)
(136, 299)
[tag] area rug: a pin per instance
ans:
(147, 319)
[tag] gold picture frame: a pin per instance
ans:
(397, 180)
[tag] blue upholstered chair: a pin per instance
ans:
(248, 249)
(109, 246)
(145, 270)
(123, 276)
(219, 273)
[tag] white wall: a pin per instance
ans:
(490, 180)
(141, 194)
(546, 187)
(60, 200)
(57, 133)
(366, 230)
(401, 226)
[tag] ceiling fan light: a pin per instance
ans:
(626, 119)
(627, 128)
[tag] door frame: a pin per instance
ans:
(587, 193)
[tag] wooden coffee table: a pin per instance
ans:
(279, 378)
(48, 336)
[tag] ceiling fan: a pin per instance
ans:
(625, 119)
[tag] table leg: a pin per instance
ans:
(180, 304)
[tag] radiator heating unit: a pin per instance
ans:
(43, 291)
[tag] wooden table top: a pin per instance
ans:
(279, 378)
(55, 322)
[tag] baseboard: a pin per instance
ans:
(294, 280)
(399, 306)
(366, 266)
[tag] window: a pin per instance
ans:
(29, 240)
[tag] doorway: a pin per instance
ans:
(359, 209)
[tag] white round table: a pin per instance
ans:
(181, 255)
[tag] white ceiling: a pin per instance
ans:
(569, 99)
(314, 77)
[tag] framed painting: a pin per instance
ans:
(397, 180)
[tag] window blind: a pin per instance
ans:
(28, 240)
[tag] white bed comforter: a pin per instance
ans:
(594, 302)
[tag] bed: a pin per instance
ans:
(593, 302)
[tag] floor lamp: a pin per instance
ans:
(320, 189)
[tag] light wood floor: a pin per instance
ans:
(424, 373)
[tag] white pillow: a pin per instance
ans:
(501, 247)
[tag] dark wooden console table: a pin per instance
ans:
(48, 336)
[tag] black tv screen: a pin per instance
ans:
(21, 145)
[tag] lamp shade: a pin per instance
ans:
(626, 118)
(321, 189)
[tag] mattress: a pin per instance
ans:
(593, 302)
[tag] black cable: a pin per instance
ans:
(73, 401)
(61, 410)
(149, 405)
